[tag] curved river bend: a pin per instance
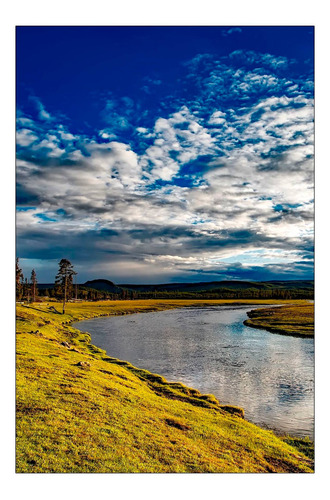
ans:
(270, 376)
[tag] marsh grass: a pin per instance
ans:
(293, 319)
(81, 410)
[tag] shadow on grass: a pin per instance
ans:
(51, 309)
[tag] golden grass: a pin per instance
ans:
(293, 319)
(80, 410)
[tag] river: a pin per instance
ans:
(271, 376)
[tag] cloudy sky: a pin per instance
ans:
(159, 154)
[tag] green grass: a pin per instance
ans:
(305, 445)
(293, 319)
(80, 410)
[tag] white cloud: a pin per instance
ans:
(250, 162)
(43, 114)
(179, 139)
(25, 137)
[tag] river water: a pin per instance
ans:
(271, 376)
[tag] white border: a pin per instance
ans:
(172, 12)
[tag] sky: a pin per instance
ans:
(165, 154)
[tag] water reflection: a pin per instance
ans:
(270, 376)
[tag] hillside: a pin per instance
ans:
(80, 410)
(103, 285)
(99, 289)
(232, 285)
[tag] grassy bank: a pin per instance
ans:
(80, 410)
(293, 319)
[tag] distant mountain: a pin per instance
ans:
(210, 289)
(107, 285)
(99, 284)
(102, 285)
(228, 285)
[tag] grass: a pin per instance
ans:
(304, 445)
(81, 410)
(293, 319)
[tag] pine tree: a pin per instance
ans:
(19, 281)
(64, 280)
(26, 290)
(34, 285)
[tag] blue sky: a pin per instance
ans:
(156, 154)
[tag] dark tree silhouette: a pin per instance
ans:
(26, 290)
(19, 281)
(34, 285)
(64, 281)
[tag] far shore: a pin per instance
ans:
(296, 320)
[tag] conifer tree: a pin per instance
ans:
(64, 281)
(26, 290)
(19, 281)
(34, 285)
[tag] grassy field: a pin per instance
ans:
(80, 410)
(293, 319)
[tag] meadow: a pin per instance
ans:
(81, 410)
(291, 319)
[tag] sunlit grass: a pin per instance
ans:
(297, 319)
(80, 410)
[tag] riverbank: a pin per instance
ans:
(293, 319)
(80, 410)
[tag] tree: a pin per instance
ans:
(19, 280)
(76, 286)
(26, 290)
(64, 281)
(34, 285)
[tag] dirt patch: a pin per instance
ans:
(279, 465)
(178, 425)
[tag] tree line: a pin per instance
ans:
(88, 293)
(27, 290)
(65, 289)
(228, 293)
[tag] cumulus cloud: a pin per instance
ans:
(179, 139)
(227, 175)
